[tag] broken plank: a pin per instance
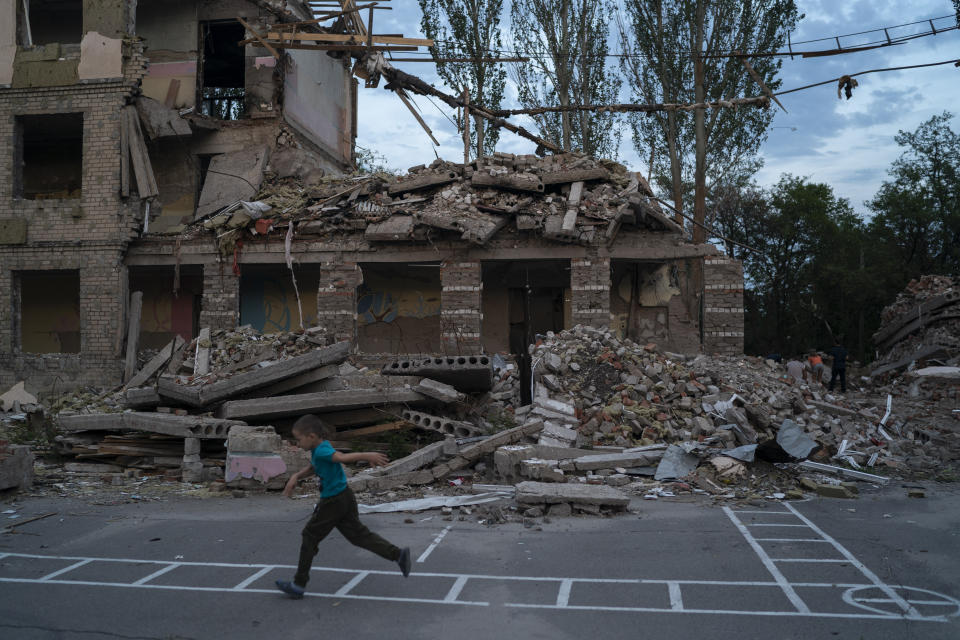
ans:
(285, 386)
(155, 364)
(400, 425)
(133, 334)
(337, 38)
(282, 406)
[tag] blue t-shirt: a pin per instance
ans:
(332, 478)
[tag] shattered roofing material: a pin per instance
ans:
(567, 198)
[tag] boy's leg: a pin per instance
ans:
(321, 523)
(358, 534)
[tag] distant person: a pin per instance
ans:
(815, 364)
(795, 369)
(838, 369)
(337, 506)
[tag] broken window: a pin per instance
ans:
(49, 156)
(166, 314)
(48, 311)
(43, 22)
(398, 308)
(222, 75)
(268, 299)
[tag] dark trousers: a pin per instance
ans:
(338, 511)
(839, 373)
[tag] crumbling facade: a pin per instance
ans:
(159, 156)
(82, 180)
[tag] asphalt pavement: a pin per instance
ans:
(883, 566)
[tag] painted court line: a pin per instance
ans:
(156, 574)
(76, 565)
(253, 578)
(423, 556)
(780, 579)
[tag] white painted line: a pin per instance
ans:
(455, 590)
(156, 574)
(676, 598)
(563, 595)
(773, 614)
(936, 603)
(423, 556)
(782, 513)
(777, 525)
(347, 588)
(870, 575)
(789, 540)
(772, 568)
(66, 569)
(251, 579)
(827, 560)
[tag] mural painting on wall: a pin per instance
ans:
(269, 304)
(385, 306)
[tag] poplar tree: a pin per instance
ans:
(567, 43)
(469, 29)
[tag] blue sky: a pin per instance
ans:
(846, 144)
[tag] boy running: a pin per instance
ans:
(337, 506)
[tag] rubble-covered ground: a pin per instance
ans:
(607, 412)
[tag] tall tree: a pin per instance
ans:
(917, 212)
(663, 39)
(567, 43)
(469, 29)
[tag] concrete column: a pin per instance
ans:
(220, 305)
(337, 299)
(460, 316)
(722, 305)
(590, 288)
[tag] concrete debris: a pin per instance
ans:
(16, 398)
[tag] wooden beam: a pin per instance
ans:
(346, 37)
(133, 334)
(763, 85)
(416, 115)
(258, 38)
(400, 425)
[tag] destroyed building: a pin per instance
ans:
(160, 179)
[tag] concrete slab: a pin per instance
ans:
(572, 493)
(16, 466)
(612, 461)
(296, 404)
(232, 176)
(166, 423)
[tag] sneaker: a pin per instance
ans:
(295, 591)
(404, 561)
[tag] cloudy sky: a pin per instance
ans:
(846, 144)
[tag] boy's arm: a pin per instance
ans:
(373, 457)
(297, 477)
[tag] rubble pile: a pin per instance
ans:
(567, 197)
(921, 328)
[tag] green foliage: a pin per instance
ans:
(469, 29)
(918, 211)
(369, 161)
(566, 41)
(660, 37)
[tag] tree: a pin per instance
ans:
(918, 210)
(566, 41)
(802, 237)
(469, 29)
(663, 39)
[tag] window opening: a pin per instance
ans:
(50, 156)
(49, 313)
(222, 76)
(47, 21)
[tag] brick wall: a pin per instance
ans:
(460, 316)
(722, 305)
(590, 289)
(88, 234)
(337, 299)
(220, 304)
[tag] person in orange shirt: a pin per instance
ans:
(815, 364)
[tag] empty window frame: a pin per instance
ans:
(48, 311)
(49, 156)
(41, 22)
(165, 314)
(221, 83)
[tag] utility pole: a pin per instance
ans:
(700, 179)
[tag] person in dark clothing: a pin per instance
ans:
(839, 367)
